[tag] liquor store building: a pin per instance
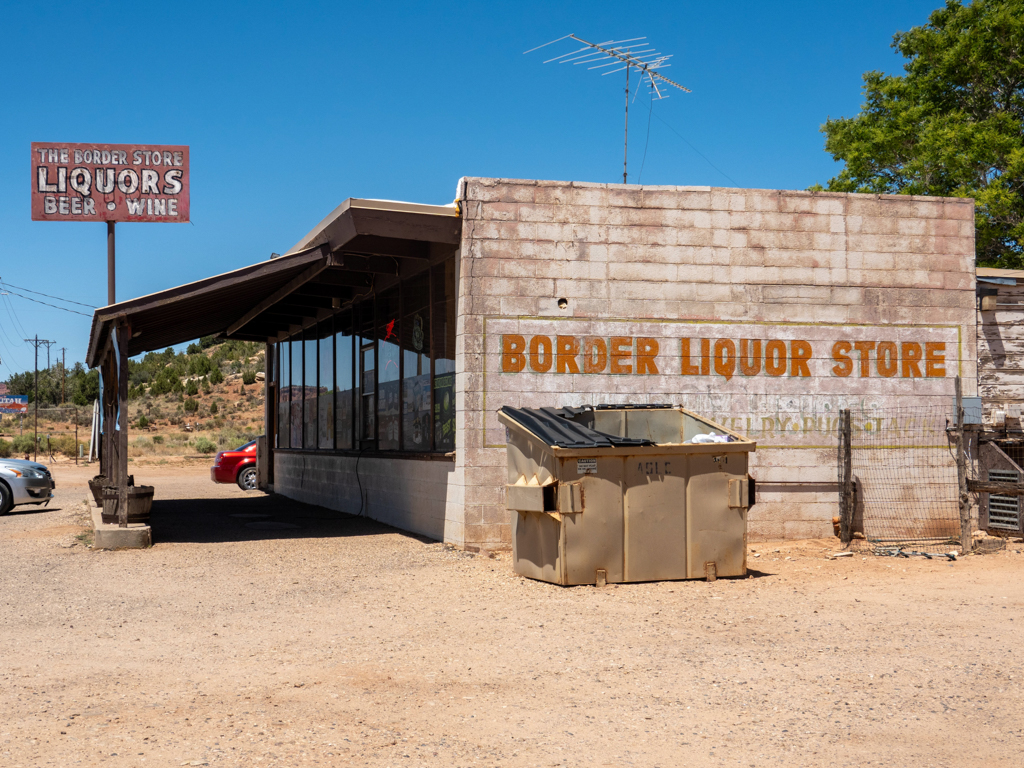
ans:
(396, 331)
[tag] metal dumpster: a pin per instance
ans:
(625, 493)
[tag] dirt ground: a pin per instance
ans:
(237, 641)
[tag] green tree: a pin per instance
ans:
(953, 125)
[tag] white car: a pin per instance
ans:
(23, 482)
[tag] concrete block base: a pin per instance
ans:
(112, 536)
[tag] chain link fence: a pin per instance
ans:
(904, 470)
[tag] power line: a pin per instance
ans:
(15, 323)
(37, 301)
(702, 155)
(37, 293)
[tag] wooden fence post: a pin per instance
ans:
(966, 539)
(845, 478)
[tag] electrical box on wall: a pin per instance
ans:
(972, 410)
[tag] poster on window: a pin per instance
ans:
(444, 412)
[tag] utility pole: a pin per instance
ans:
(48, 345)
(35, 430)
(63, 375)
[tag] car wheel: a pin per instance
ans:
(6, 499)
(247, 479)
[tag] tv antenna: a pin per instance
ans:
(634, 53)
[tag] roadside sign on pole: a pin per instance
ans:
(109, 182)
(14, 404)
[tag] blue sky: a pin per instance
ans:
(289, 108)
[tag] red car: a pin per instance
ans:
(237, 466)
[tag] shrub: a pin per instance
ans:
(65, 444)
(248, 376)
(158, 439)
(191, 406)
(213, 409)
(192, 389)
(23, 444)
(5, 449)
(205, 445)
(143, 421)
(216, 377)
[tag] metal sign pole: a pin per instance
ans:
(111, 292)
(625, 139)
(35, 429)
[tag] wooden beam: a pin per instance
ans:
(388, 246)
(407, 226)
(327, 292)
(1003, 489)
(378, 265)
(304, 277)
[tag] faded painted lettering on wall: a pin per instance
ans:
(781, 383)
(721, 357)
(109, 182)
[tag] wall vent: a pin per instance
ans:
(1004, 511)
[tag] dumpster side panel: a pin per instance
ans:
(536, 546)
(716, 532)
(655, 517)
(528, 458)
(593, 537)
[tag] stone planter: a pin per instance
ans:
(140, 502)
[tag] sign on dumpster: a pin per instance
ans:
(109, 182)
(14, 404)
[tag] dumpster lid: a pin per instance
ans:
(555, 427)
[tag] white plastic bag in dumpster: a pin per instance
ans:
(711, 437)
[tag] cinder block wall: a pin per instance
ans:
(408, 494)
(638, 266)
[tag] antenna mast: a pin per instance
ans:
(633, 53)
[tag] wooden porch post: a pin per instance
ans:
(269, 411)
(124, 335)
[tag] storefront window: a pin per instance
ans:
(379, 375)
(284, 380)
(366, 375)
(344, 401)
(309, 385)
(325, 386)
(388, 370)
(443, 335)
(296, 392)
(416, 429)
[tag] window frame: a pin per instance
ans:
(365, 323)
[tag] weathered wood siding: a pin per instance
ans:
(1001, 353)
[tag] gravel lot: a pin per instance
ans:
(341, 641)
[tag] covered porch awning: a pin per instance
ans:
(362, 246)
(359, 243)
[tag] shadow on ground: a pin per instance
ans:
(34, 509)
(255, 517)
